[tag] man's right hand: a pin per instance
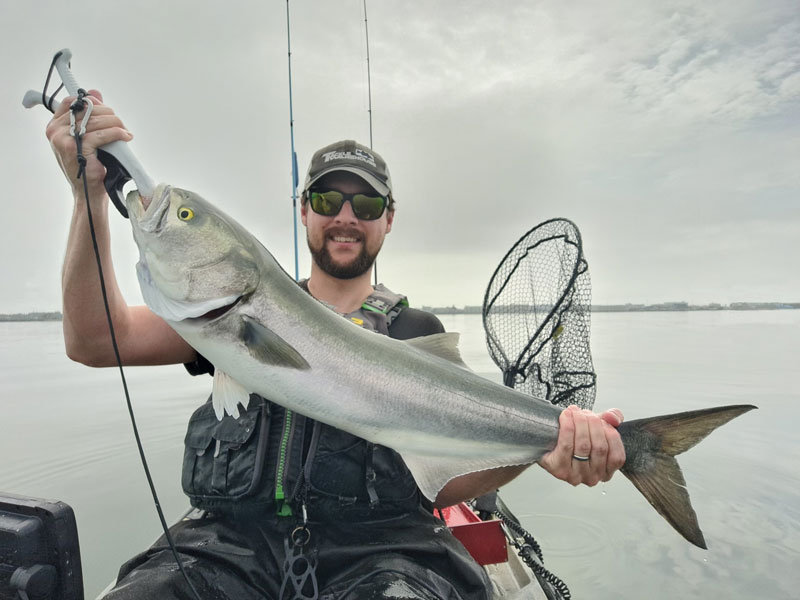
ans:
(143, 337)
(103, 128)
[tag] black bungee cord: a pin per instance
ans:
(79, 104)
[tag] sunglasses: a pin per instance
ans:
(365, 207)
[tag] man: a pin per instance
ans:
(369, 529)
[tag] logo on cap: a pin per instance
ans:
(359, 155)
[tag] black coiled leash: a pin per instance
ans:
(527, 545)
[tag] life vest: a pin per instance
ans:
(346, 476)
(379, 310)
(269, 457)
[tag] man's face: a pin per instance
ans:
(344, 246)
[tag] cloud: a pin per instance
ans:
(644, 122)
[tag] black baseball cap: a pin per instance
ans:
(349, 155)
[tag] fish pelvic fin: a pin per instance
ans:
(650, 447)
(268, 347)
(227, 394)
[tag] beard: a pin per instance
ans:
(356, 267)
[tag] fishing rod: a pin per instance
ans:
(121, 166)
(369, 110)
(295, 178)
(369, 78)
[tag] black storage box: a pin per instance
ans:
(39, 551)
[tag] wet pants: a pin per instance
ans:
(410, 557)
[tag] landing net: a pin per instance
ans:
(536, 314)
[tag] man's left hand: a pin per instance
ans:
(585, 434)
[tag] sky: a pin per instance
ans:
(667, 130)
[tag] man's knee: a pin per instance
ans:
(390, 577)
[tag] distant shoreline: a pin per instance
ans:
(662, 307)
(32, 316)
(476, 310)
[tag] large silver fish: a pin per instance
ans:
(225, 294)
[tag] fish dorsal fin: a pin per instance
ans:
(270, 348)
(227, 394)
(443, 345)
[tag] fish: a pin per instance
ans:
(223, 292)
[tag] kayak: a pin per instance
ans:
(492, 542)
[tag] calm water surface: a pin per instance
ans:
(64, 433)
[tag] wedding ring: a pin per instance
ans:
(580, 458)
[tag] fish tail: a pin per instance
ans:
(650, 447)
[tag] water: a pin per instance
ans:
(65, 434)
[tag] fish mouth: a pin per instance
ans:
(150, 215)
(216, 313)
(157, 217)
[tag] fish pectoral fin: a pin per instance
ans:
(268, 347)
(227, 394)
(443, 345)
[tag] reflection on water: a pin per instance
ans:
(65, 434)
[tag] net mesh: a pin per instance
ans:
(537, 313)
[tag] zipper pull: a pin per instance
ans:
(304, 512)
(284, 508)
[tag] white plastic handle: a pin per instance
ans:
(119, 150)
(62, 61)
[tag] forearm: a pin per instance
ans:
(86, 333)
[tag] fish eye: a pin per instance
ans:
(185, 213)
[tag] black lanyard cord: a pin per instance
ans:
(77, 106)
(48, 102)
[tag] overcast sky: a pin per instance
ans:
(668, 130)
